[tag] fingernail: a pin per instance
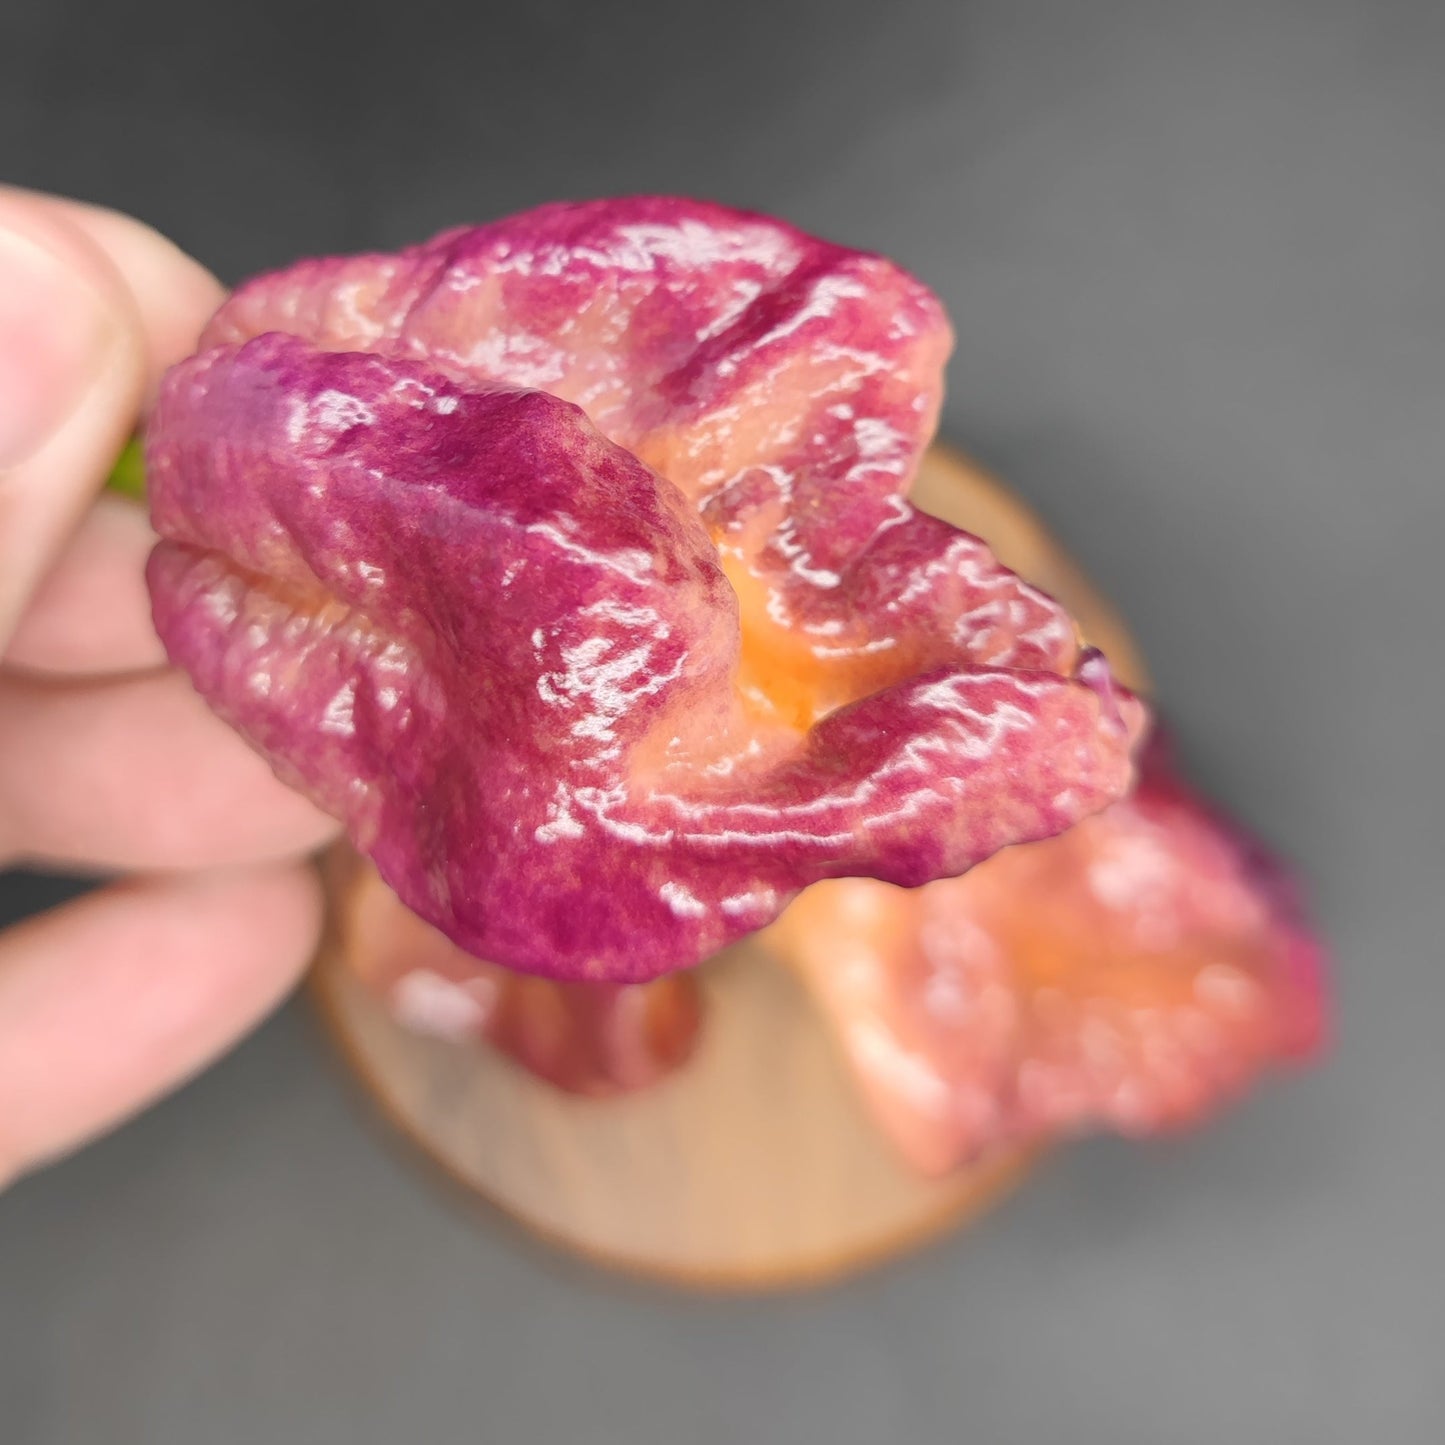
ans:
(55, 335)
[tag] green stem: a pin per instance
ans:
(128, 476)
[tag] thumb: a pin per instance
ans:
(72, 376)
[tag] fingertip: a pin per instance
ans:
(137, 772)
(72, 376)
(96, 307)
(114, 1000)
(174, 293)
(90, 614)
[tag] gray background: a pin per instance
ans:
(1195, 256)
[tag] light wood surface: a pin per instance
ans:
(754, 1165)
(751, 1166)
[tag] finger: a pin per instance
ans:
(93, 305)
(111, 1001)
(91, 613)
(72, 372)
(173, 292)
(138, 773)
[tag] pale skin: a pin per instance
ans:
(108, 761)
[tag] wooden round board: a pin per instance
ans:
(754, 1165)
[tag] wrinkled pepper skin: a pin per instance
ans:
(566, 560)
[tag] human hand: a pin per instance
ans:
(108, 761)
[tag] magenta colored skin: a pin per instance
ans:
(418, 551)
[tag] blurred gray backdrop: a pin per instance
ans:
(1196, 256)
